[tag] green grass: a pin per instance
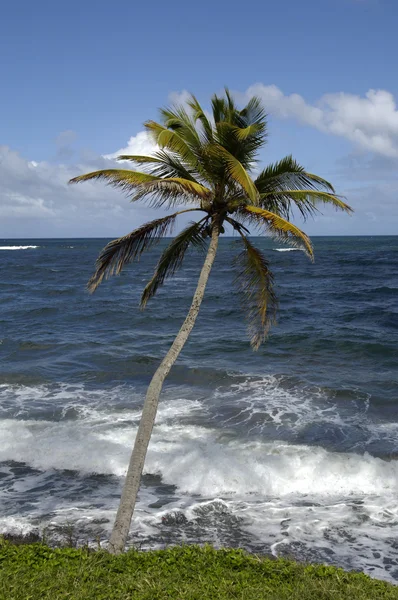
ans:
(35, 571)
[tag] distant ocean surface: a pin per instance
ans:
(291, 450)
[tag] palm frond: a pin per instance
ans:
(305, 200)
(139, 158)
(279, 228)
(242, 142)
(219, 108)
(125, 249)
(167, 138)
(253, 131)
(289, 174)
(174, 190)
(255, 282)
(239, 227)
(172, 257)
(254, 114)
(164, 165)
(199, 115)
(232, 110)
(243, 133)
(120, 178)
(236, 171)
(177, 119)
(240, 132)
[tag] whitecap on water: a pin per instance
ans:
(287, 249)
(17, 247)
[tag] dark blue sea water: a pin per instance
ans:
(291, 450)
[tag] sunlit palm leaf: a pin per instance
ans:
(124, 250)
(177, 119)
(138, 158)
(241, 143)
(243, 133)
(166, 138)
(191, 187)
(172, 257)
(164, 165)
(120, 178)
(237, 171)
(174, 190)
(240, 132)
(199, 115)
(255, 282)
(280, 228)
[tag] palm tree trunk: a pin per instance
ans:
(125, 511)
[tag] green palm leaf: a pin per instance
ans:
(199, 115)
(140, 159)
(126, 249)
(172, 257)
(167, 138)
(289, 174)
(164, 165)
(306, 199)
(120, 178)
(255, 281)
(236, 171)
(173, 190)
(243, 133)
(177, 119)
(219, 109)
(254, 114)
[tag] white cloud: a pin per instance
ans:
(370, 122)
(179, 97)
(36, 200)
(141, 143)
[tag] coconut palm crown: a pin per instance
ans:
(209, 163)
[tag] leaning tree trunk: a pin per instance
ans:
(125, 511)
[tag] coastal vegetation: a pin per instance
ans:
(207, 162)
(37, 572)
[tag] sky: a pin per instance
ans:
(78, 79)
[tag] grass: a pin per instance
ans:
(36, 571)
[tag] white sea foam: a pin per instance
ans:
(261, 402)
(16, 525)
(282, 494)
(198, 460)
(17, 247)
(92, 435)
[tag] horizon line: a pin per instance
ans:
(223, 236)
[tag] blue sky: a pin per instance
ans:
(79, 78)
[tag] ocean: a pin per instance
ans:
(291, 450)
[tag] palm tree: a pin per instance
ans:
(207, 163)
